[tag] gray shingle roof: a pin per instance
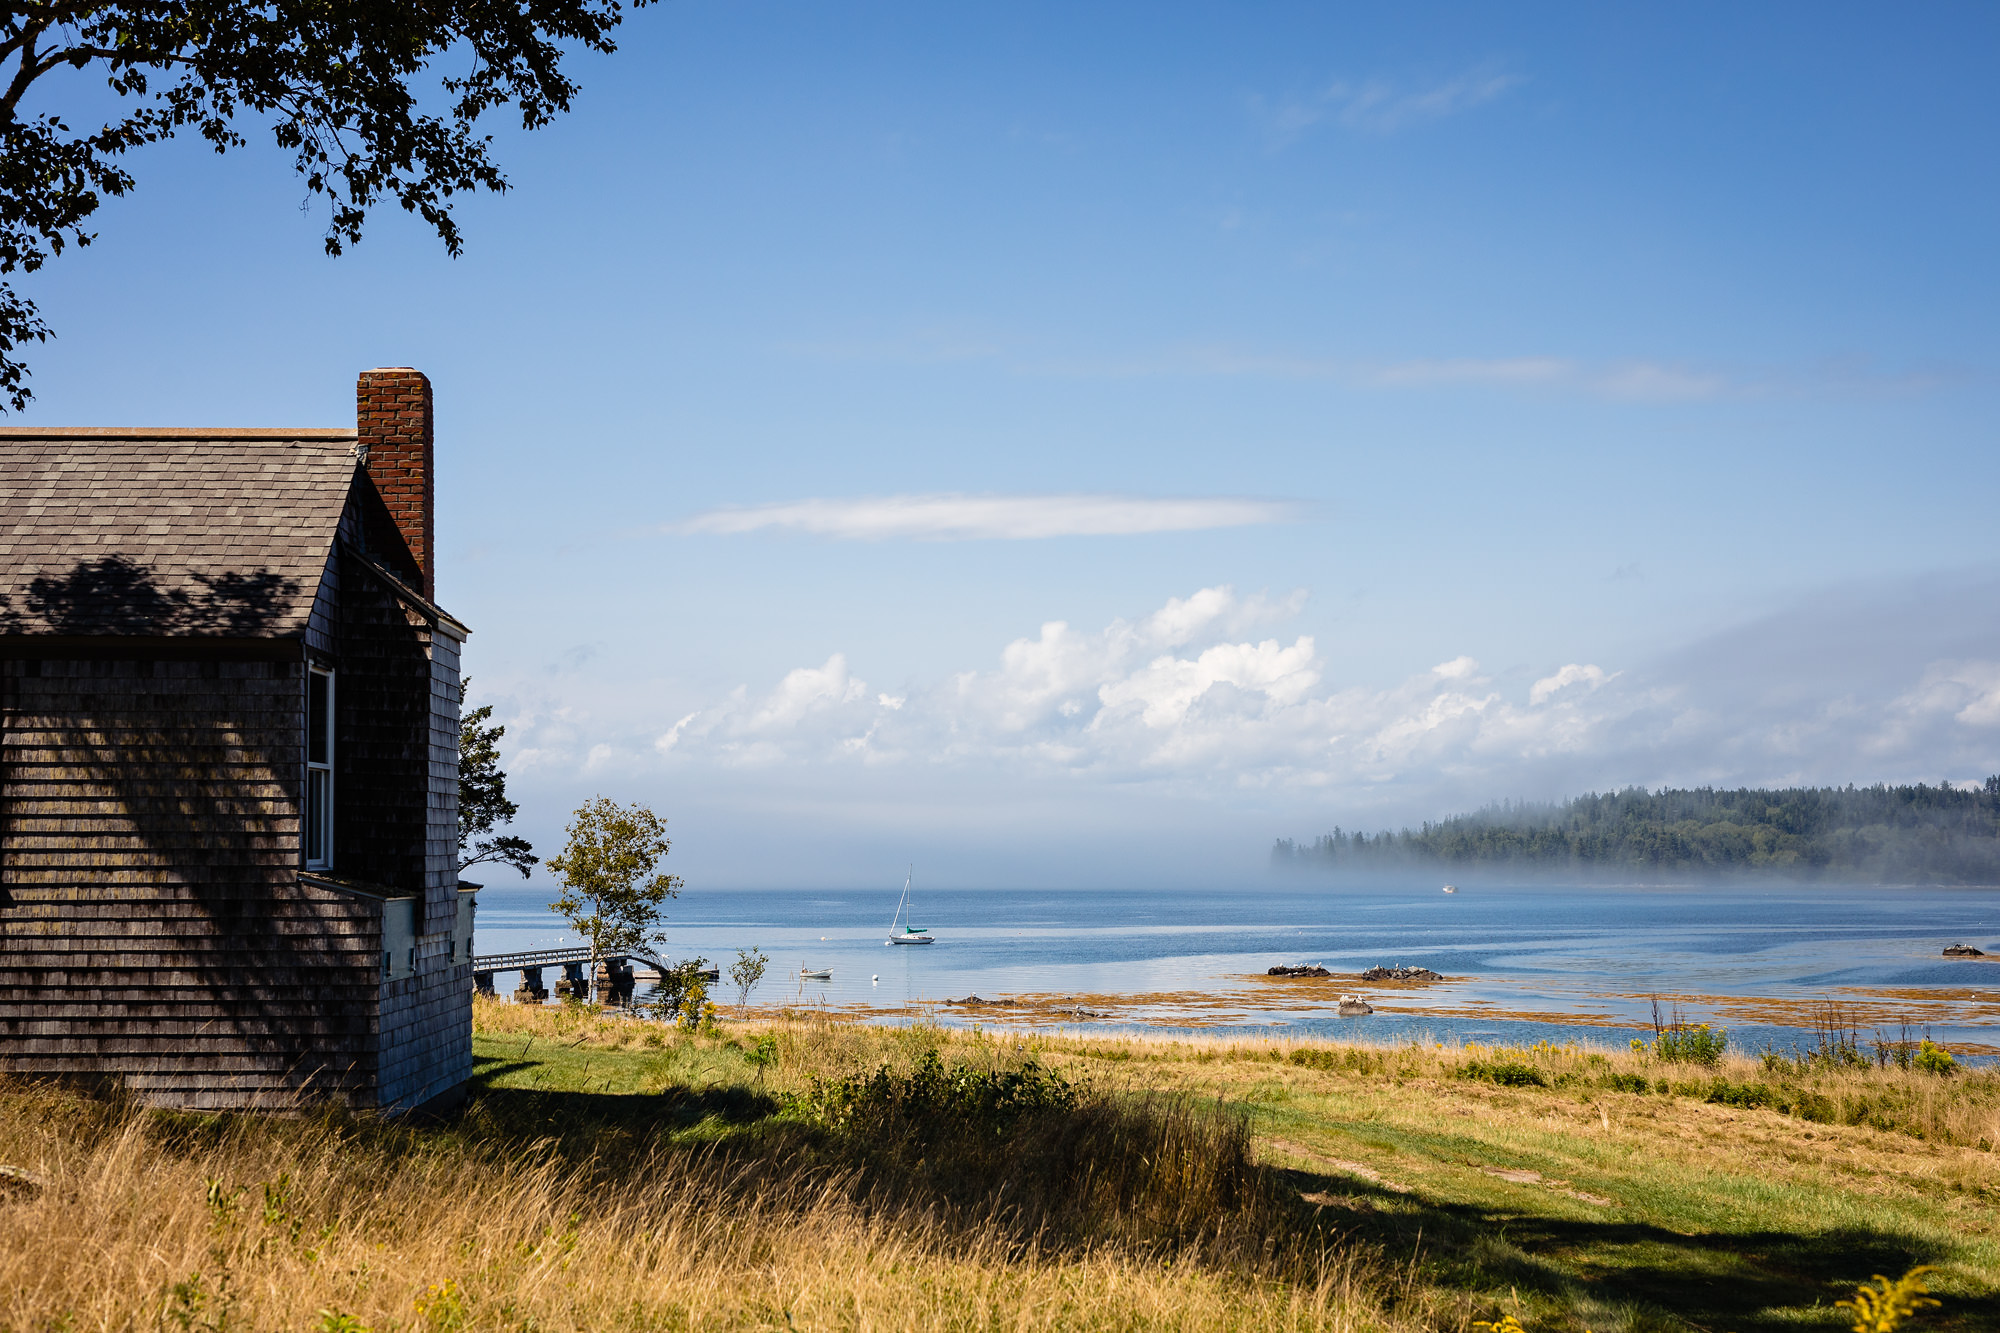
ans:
(167, 532)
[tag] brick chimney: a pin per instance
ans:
(392, 420)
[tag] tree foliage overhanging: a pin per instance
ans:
(346, 88)
(482, 797)
(1880, 834)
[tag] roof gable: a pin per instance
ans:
(167, 532)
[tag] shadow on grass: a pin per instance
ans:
(1744, 1281)
(611, 1128)
(1175, 1178)
(1055, 1173)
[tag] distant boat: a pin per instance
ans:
(900, 930)
(1451, 888)
(815, 973)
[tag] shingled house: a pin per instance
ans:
(229, 763)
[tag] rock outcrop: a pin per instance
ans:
(1401, 974)
(1303, 970)
(1964, 951)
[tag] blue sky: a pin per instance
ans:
(1392, 408)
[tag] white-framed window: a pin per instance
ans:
(319, 769)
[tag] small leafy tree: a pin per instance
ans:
(482, 796)
(762, 1056)
(746, 972)
(612, 894)
(683, 995)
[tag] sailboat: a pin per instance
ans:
(907, 934)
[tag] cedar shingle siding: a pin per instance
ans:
(163, 596)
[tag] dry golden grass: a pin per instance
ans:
(613, 1175)
(125, 1236)
(151, 1220)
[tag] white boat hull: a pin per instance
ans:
(912, 939)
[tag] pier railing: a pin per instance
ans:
(614, 971)
(508, 962)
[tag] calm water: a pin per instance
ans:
(1526, 963)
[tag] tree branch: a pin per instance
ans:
(337, 83)
(24, 78)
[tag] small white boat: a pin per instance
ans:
(815, 973)
(900, 930)
(1451, 888)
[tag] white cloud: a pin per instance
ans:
(1574, 674)
(1174, 693)
(1471, 370)
(1167, 686)
(1968, 691)
(1632, 380)
(953, 517)
(1185, 701)
(807, 690)
(1625, 380)
(1184, 617)
(1383, 106)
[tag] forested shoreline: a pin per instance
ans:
(1881, 834)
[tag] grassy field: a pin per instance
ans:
(611, 1174)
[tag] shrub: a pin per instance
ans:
(443, 1306)
(1881, 1306)
(1680, 1042)
(1747, 1095)
(682, 996)
(333, 1321)
(1697, 1045)
(762, 1056)
(931, 1097)
(1507, 1073)
(1934, 1059)
(1336, 1058)
(1046, 1159)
